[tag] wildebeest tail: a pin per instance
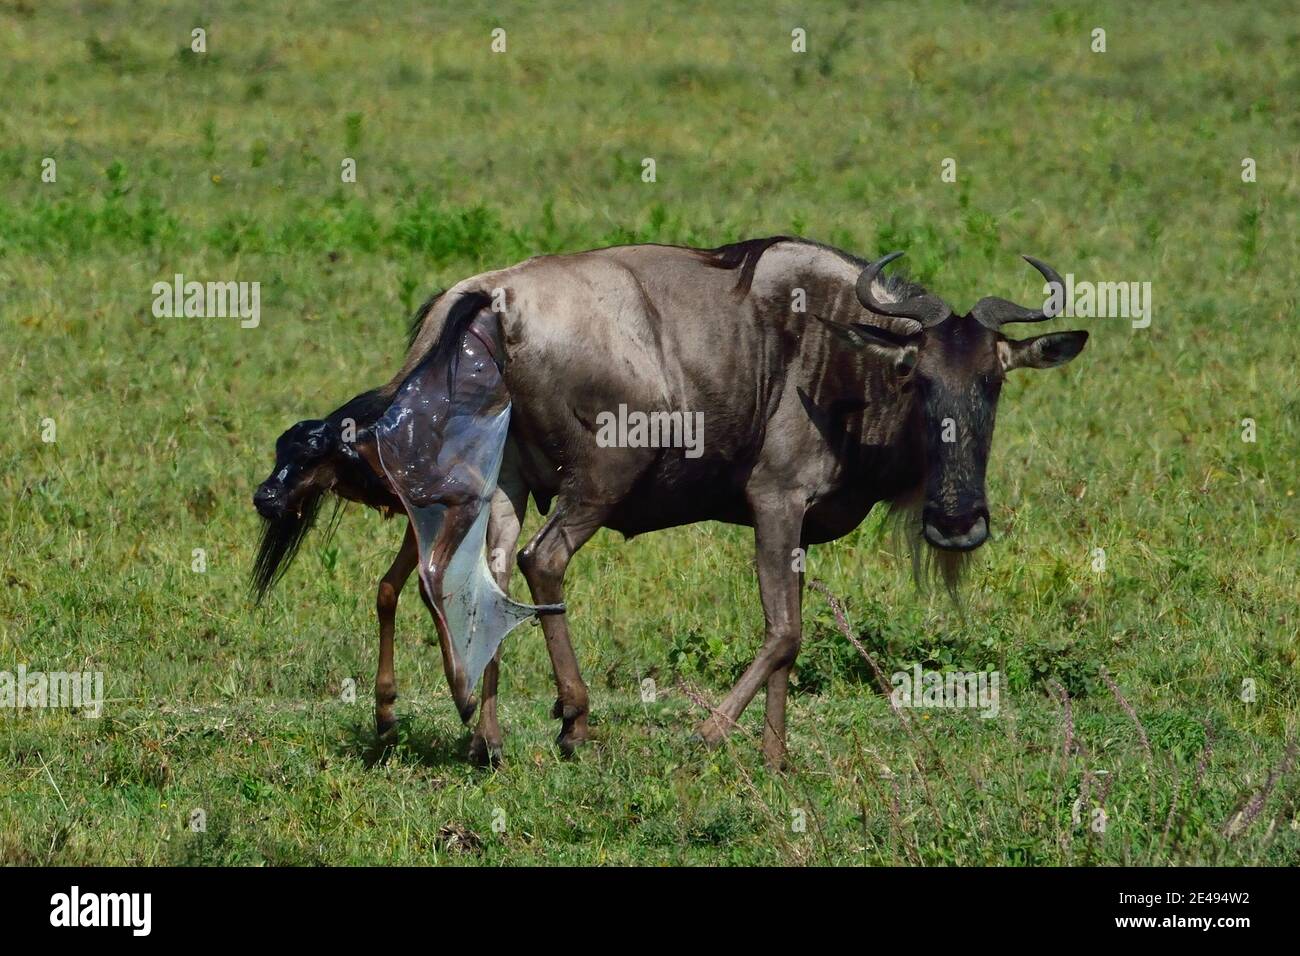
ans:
(422, 313)
(459, 316)
(438, 328)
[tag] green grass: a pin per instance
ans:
(1122, 165)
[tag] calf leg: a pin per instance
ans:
(390, 586)
(778, 524)
(544, 562)
(461, 694)
(504, 521)
(485, 743)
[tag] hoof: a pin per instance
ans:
(710, 733)
(573, 730)
(569, 743)
(386, 729)
(484, 753)
(776, 762)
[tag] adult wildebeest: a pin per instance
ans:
(825, 388)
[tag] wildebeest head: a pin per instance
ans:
(955, 365)
(311, 458)
(304, 469)
(307, 458)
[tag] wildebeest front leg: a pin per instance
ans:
(390, 587)
(778, 524)
(544, 562)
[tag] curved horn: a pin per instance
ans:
(927, 310)
(992, 312)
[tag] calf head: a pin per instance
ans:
(305, 467)
(309, 458)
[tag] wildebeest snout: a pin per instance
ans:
(268, 499)
(956, 532)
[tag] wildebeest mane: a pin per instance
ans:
(744, 256)
(741, 255)
(896, 285)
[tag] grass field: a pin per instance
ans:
(1122, 165)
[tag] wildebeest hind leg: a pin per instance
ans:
(509, 503)
(543, 562)
(390, 587)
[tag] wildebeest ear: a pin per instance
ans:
(331, 435)
(1042, 351)
(364, 448)
(899, 349)
(346, 441)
